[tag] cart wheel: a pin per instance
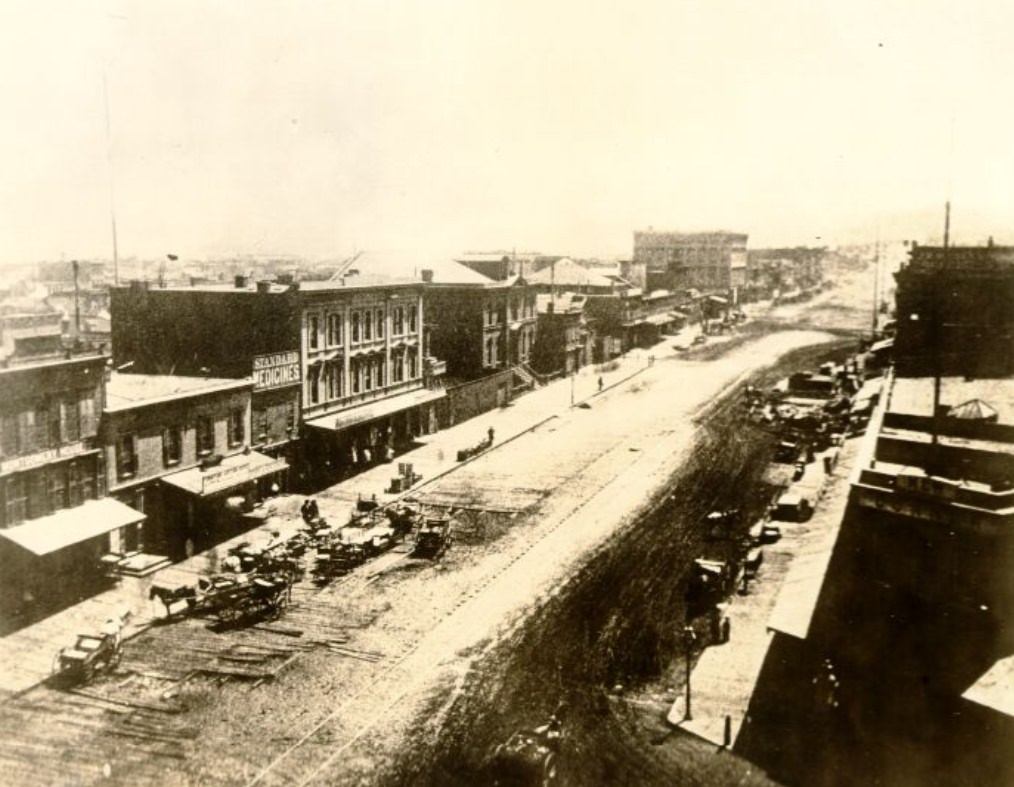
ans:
(549, 770)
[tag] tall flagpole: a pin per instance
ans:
(112, 194)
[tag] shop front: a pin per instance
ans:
(56, 560)
(356, 438)
(206, 504)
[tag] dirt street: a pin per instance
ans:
(418, 668)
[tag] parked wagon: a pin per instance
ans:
(433, 538)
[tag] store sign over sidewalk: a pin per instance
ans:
(276, 370)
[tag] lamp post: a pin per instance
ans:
(689, 637)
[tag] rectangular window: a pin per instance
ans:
(397, 367)
(334, 330)
(237, 426)
(413, 318)
(399, 321)
(413, 363)
(261, 422)
(88, 423)
(312, 328)
(313, 384)
(74, 493)
(126, 461)
(41, 421)
(57, 488)
(380, 323)
(355, 327)
(172, 445)
(380, 372)
(16, 502)
(367, 326)
(354, 373)
(367, 368)
(71, 418)
(9, 440)
(88, 481)
(205, 435)
(333, 378)
(38, 494)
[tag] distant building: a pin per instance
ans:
(564, 343)
(780, 271)
(707, 261)
(955, 311)
(565, 275)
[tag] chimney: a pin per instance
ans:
(427, 275)
(240, 281)
(264, 286)
(989, 244)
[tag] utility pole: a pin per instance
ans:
(689, 637)
(934, 328)
(876, 288)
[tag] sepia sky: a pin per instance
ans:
(318, 127)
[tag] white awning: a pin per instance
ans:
(233, 471)
(376, 409)
(72, 525)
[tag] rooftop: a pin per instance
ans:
(914, 395)
(409, 266)
(567, 273)
(126, 391)
(564, 303)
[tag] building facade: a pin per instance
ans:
(713, 262)
(341, 371)
(178, 449)
(955, 311)
(564, 342)
(903, 663)
(369, 382)
(53, 527)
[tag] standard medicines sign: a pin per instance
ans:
(275, 370)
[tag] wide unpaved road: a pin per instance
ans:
(596, 470)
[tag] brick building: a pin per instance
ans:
(564, 342)
(54, 529)
(339, 365)
(901, 658)
(483, 329)
(178, 450)
(955, 311)
(712, 262)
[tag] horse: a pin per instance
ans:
(168, 596)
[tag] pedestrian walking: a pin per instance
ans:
(600, 385)
(490, 433)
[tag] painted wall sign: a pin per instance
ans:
(275, 370)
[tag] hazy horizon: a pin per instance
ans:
(312, 129)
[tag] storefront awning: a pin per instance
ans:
(232, 472)
(72, 526)
(373, 410)
(659, 319)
